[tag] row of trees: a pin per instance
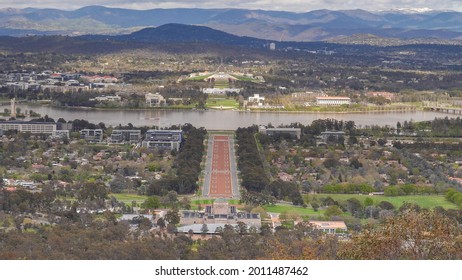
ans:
(454, 196)
(249, 161)
(187, 165)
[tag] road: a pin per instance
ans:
(220, 178)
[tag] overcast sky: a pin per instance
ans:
(285, 5)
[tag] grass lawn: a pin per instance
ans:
(225, 102)
(191, 106)
(247, 79)
(221, 85)
(289, 208)
(424, 201)
(199, 78)
(128, 198)
(197, 201)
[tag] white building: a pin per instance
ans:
(333, 100)
(32, 127)
(256, 98)
(155, 99)
(220, 91)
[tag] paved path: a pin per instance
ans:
(220, 169)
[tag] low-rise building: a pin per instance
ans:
(60, 134)
(256, 98)
(155, 99)
(305, 96)
(330, 227)
(125, 136)
(92, 135)
(32, 127)
(332, 134)
(291, 131)
(115, 98)
(387, 95)
(221, 213)
(163, 139)
(333, 100)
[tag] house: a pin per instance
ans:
(330, 227)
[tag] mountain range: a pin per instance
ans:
(269, 25)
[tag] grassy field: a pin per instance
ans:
(199, 78)
(221, 84)
(424, 201)
(247, 79)
(289, 208)
(225, 102)
(128, 198)
(197, 201)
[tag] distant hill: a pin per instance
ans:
(271, 25)
(179, 33)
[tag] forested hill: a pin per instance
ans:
(181, 33)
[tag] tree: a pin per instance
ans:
(354, 207)
(93, 191)
(355, 163)
(173, 216)
(241, 228)
(170, 199)
(204, 229)
(333, 210)
(368, 201)
(315, 206)
(152, 202)
(382, 142)
(161, 223)
(424, 235)
(386, 205)
(185, 203)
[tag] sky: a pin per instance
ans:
(281, 5)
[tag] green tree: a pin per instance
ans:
(152, 202)
(173, 216)
(93, 191)
(333, 210)
(161, 223)
(315, 206)
(368, 201)
(204, 229)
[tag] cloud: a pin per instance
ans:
(287, 5)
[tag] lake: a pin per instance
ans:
(222, 120)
